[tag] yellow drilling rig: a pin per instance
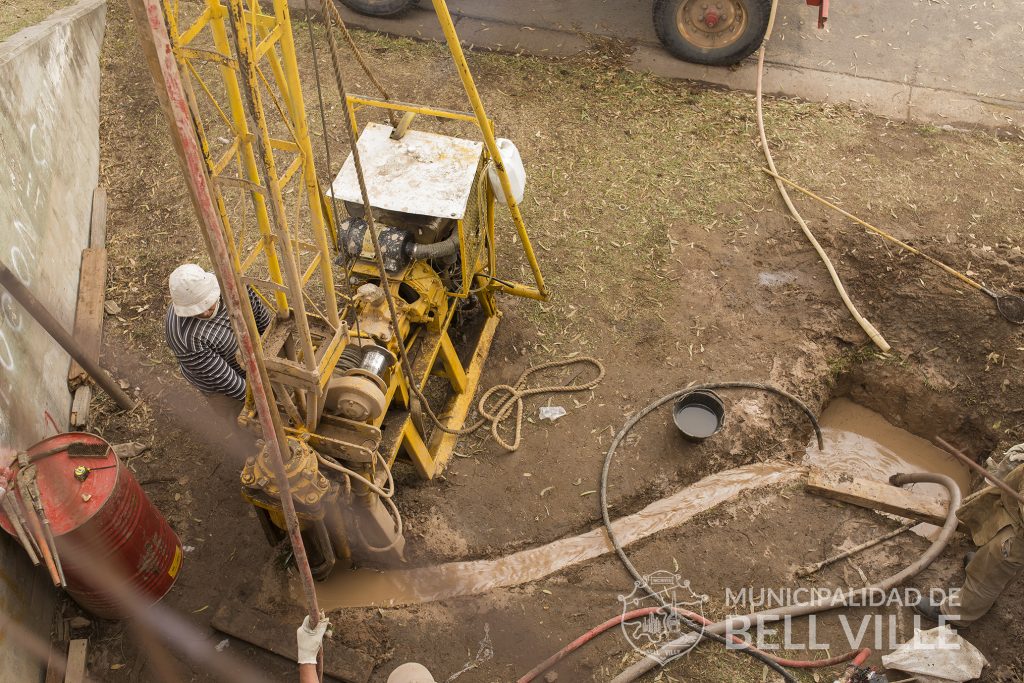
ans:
(369, 278)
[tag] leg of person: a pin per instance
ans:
(995, 565)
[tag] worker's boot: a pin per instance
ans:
(932, 611)
(928, 609)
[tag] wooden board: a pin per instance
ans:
(88, 328)
(98, 220)
(76, 661)
(277, 636)
(55, 664)
(877, 495)
(80, 406)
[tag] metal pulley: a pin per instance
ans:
(359, 394)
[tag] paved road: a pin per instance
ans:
(940, 61)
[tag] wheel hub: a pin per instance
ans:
(711, 24)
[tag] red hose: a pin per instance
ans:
(858, 656)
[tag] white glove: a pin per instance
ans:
(310, 639)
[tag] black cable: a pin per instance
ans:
(640, 581)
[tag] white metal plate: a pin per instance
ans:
(423, 173)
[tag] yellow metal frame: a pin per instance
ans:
(258, 153)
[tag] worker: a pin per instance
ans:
(200, 335)
(310, 640)
(996, 522)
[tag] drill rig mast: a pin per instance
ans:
(335, 381)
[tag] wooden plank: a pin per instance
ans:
(277, 636)
(80, 406)
(56, 663)
(98, 220)
(88, 328)
(877, 495)
(76, 661)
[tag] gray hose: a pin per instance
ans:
(821, 605)
(640, 581)
(437, 250)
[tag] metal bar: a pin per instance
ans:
(996, 481)
(311, 269)
(284, 145)
(415, 108)
(812, 568)
(459, 57)
(296, 164)
(296, 105)
(153, 37)
(194, 30)
(206, 56)
(226, 158)
(277, 208)
(267, 43)
(60, 335)
(522, 290)
(36, 529)
(230, 76)
(251, 258)
(37, 502)
(7, 506)
(240, 183)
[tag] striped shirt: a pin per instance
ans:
(206, 348)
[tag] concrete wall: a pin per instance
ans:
(49, 166)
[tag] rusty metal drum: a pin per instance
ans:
(105, 527)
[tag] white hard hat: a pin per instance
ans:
(193, 290)
(411, 673)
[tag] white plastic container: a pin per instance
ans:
(513, 167)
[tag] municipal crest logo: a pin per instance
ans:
(646, 629)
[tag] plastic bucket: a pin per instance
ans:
(698, 415)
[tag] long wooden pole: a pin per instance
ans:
(949, 448)
(153, 37)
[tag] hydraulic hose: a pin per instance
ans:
(865, 325)
(607, 518)
(634, 672)
(536, 671)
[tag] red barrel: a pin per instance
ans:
(105, 527)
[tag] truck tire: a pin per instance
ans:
(712, 32)
(379, 8)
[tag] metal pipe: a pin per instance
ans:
(36, 529)
(156, 45)
(442, 249)
(739, 623)
(1006, 488)
(810, 569)
(41, 315)
(19, 529)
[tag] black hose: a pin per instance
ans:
(640, 581)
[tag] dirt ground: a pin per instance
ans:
(670, 258)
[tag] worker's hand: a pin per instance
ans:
(310, 639)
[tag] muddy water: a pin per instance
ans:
(862, 443)
(367, 588)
